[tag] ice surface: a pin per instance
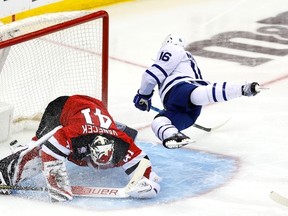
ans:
(255, 137)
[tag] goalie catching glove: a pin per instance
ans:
(57, 181)
(145, 188)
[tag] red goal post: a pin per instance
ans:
(51, 55)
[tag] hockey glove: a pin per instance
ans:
(57, 181)
(143, 102)
(144, 189)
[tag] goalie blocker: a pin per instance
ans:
(104, 146)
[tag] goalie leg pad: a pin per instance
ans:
(28, 165)
(57, 181)
(19, 166)
(5, 180)
(7, 171)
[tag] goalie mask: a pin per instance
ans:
(174, 39)
(101, 150)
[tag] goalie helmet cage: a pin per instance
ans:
(51, 55)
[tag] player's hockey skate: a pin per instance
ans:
(250, 89)
(178, 140)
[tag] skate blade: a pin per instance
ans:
(175, 145)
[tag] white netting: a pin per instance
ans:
(66, 62)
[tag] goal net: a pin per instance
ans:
(51, 55)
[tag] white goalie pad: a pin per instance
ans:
(57, 180)
(28, 165)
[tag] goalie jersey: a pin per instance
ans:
(82, 118)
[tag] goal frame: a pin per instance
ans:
(54, 28)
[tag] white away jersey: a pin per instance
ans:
(173, 65)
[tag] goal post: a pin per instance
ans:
(52, 55)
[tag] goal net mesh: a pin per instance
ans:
(54, 54)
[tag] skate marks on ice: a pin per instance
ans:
(186, 173)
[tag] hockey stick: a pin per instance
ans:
(78, 191)
(44, 138)
(33, 144)
(207, 129)
(100, 192)
(113, 192)
(279, 198)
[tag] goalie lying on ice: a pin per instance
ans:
(88, 137)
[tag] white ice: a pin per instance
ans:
(256, 133)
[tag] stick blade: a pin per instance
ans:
(176, 145)
(279, 198)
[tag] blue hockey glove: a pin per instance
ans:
(143, 102)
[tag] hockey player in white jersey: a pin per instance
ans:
(182, 90)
